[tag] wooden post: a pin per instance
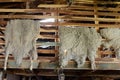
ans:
(95, 14)
(56, 33)
(28, 4)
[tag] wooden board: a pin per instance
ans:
(13, 0)
(52, 6)
(46, 64)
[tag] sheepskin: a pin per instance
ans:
(112, 39)
(20, 39)
(78, 44)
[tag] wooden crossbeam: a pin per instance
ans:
(13, 0)
(26, 10)
(62, 10)
(98, 1)
(52, 6)
(61, 17)
(48, 30)
(2, 36)
(81, 24)
(47, 51)
(43, 51)
(48, 36)
(92, 8)
(46, 64)
(26, 16)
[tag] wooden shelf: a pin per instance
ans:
(46, 64)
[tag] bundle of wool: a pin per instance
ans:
(20, 39)
(78, 44)
(93, 42)
(68, 40)
(110, 33)
(112, 38)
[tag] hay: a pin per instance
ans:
(112, 39)
(78, 44)
(20, 36)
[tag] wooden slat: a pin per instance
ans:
(13, 0)
(48, 30)
(79, 12)
(61, 17)
(26, 10)
(46, 64)
(2, 36)
(81, 24)
(47, 36)
(92, 8)
(44, 51)
(95, 15)
(41, 29)
(2, 28)
(91, 19)
(2, 42)
(52, 6)
(27, 16)
(92, 1)
(47, 51)
(47, 43)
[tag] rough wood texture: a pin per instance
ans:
(13, 0)
(46, 64)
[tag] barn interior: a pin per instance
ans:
(52, 14)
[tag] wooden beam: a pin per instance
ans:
(46, 64)
(52, 6)
(89, 19)
(2, 36)
(13, 0)
(95, 15)
(92, 1)
(48, 30)
(3, 28)
(91, 8)
(81, 24)
(44, 51)
(26, 16)
(61, 11)
(61, 17)
(48, 36)
(47, 43)
(26, 10)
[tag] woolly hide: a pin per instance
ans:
(78, 44)
(20, 39)
(112, 39)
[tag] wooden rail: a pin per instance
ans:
(47, 64)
